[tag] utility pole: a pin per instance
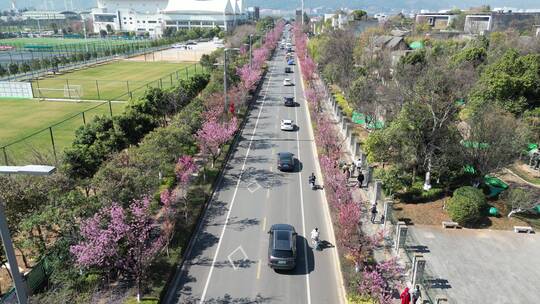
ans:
(250, 52)
(225, 80)
(18, 280)
(302, 12)
(225, 76)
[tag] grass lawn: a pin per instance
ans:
(113, 81)
(22, 117)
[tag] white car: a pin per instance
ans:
(287, 82)
(287, 125)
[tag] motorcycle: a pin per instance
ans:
(312, 184)
(315, 243)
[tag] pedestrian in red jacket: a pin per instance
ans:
(405, 296)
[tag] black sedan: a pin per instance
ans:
(289, 101)
(285, 161)
(282, 247)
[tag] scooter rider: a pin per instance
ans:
(315, 237)
(312, 180)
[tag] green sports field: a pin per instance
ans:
(120, 80)
(20, 118)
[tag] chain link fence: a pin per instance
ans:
(46, 145)
(116, 90)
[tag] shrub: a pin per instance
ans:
(417, 194)
(344, 104)
(393, 180)
(466, 204)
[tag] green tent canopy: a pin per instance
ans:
(469, 169)
(532, 146)
(495, 185)
(363, 119)
(416, 45)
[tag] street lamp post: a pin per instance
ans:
(250, 51)
(225, 76)
(302, 17)
(20, 286)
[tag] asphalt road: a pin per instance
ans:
(228, 262)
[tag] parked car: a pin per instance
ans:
(287, 82)
(282, 246)
(289, 101)
(288, 70)
(285, 161)
(290, 62)
(287, 125)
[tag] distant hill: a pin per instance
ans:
(372, 6)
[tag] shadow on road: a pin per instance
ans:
(419, 248)
(238, 263)
(438, 283)
(238, 224)
(302, 243)
(228, 299)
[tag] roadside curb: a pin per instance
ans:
(342, 293)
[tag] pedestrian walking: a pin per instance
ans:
(351, 170)
(358, 164)
(373, 213)
(344, 168)
(416, 294)
(405, 296)
(360, 178)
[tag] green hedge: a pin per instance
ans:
(466, 205)
(343, 103)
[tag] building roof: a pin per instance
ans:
(202, 7)
(387, 42)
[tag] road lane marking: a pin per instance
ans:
(308, 289)
(264, 224)
(259, 270)
(245, 257)
(329, 225)
(254, 186)
(203, 296)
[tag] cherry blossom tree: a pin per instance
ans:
(379, 280)
(248, 77)
(213, 135)
(143, 242)
(119, 239)
(101, 236)
(168, 199)
(185, 167)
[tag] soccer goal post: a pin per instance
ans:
(73, 91)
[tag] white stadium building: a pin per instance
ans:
(153, 16)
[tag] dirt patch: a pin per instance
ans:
(192, 54)
(433, 214)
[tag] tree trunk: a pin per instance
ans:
(515, 211)
(138, 290)
(41, 240)
(427, 181)
(23, 256)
